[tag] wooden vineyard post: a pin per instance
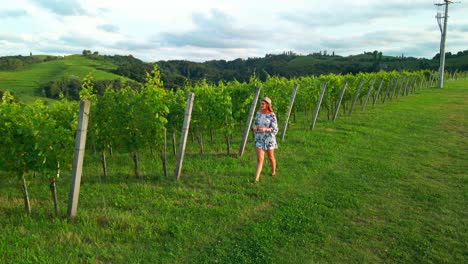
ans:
(368, 95)
(378, 92)
(226, 137)
(174, 143)
(395, 86)
(404, 92)
(24, 188)
(339, 100)
(288, 114)
(356, 95)
(421, 83)
(387, 92)
(77, 168)
(317, 107)
(164, 154)
(183, 136)
(399, 87)
(249, 122)
(411, 86)
(104, 163)
(408, 86)
(415, 84)
(408, 81)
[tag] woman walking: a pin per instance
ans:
(265, 128)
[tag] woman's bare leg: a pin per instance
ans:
(260, 157)
(271, 157)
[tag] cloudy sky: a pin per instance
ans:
(227, 29)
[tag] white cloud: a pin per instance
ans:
(62, 8)
(13, 13)
(214, 29)
(109, 28)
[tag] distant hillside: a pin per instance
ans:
(176, 73)
(25, 81)
(31, 76)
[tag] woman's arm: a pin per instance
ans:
(273, 124)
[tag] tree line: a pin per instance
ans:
(178, 73)
(13, 63)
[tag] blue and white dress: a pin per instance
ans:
(266, 140)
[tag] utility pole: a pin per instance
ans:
(443, 31)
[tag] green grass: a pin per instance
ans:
(385, 185)
(25, 83)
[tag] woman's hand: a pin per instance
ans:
(261, 129)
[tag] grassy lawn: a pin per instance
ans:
(385, 185)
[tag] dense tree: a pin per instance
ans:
(68, 87)
(12, 63)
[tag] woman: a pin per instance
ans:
(265, 128)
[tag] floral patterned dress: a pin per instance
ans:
(266, 140)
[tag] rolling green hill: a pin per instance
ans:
(25, 82)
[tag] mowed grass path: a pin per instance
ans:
(385, 185)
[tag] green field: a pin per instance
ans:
(385, 185)
(25, 82)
